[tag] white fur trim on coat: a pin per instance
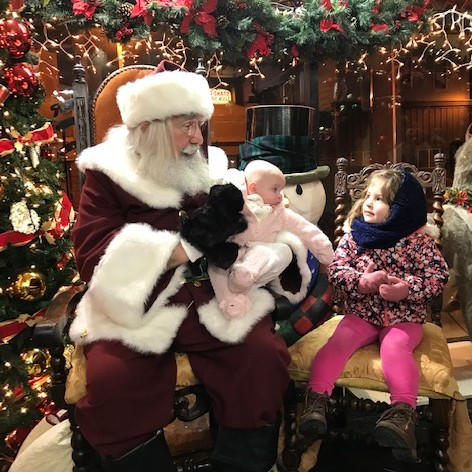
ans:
(111, 158)
(301, 252)
(114, 304)
(235, 329)
(162, 95)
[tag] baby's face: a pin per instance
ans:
(270, 188)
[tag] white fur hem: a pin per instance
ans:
(301, 253)
(127, 272)
(153, 332)
(236, 329)
(160, 96)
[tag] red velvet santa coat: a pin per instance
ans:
(126, 232)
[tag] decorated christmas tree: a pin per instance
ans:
(35, 220)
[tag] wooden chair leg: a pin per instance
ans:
(84, 457)
(440, 433)
(291, 454)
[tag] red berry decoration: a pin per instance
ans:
(20, 79)
(15, 37)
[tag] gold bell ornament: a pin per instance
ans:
(36, 361)
(28, 285)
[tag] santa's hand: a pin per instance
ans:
(370, 280)
(395, 290)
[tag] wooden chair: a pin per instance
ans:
(363, 370)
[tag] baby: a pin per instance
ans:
(261, 257)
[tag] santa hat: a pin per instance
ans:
(163, 94)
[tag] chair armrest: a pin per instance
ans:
(49, 332)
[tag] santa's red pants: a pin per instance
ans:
(130, 395)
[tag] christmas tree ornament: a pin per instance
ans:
(28, 285)
(15, 37)
(20, 79)
(17, 5)
(23, 219)
(34, 156)
(36, 362)
(4, 94)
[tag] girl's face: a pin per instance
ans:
(375, 209)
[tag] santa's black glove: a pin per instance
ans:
(209, 227)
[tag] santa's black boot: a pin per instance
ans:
(151, 456)
(246, 450)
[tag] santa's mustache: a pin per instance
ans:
(190, 149)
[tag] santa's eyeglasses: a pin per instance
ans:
(190, 127)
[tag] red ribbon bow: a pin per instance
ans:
(42, 135)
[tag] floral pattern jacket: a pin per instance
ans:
(414, 259)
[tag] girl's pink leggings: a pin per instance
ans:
(397, 343)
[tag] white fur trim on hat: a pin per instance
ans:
(162, 95)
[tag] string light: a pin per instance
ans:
(455, 50)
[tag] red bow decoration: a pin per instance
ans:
(326, 25)
(63, 217)
(42, 135)
(52, 230)
(9, 329)
(15, 238)
(202, 18)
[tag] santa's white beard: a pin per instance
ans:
(188, 174)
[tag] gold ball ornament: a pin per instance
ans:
(28, 285)
(36, 362)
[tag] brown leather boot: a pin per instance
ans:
(396, 429)
(313, 420)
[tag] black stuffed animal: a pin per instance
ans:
(210, 226)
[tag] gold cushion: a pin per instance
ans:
(364, 368)
(76, 382)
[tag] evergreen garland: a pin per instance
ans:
(242, 30)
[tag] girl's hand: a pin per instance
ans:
(395, 290)
(371, 280)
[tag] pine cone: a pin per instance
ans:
(223, 22)
(229, 8)
(125, 9)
